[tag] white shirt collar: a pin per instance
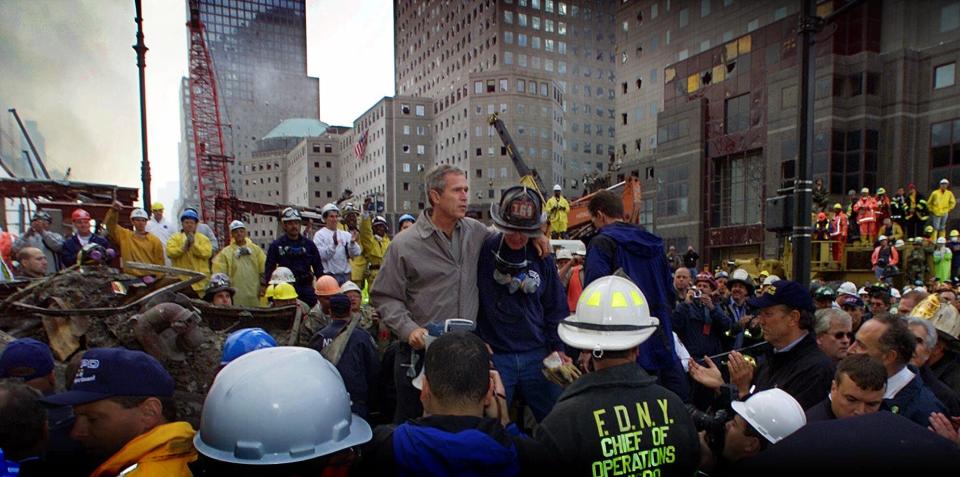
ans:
(897, 382)
(791, 345)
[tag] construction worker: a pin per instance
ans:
(884, 259)
(917, 211)
(405, 222)
(899, 209)
(136, 245)
(243, 261)
(261, 417)
(941, 202)
(83, 234)
(285, 294)
(369, 319)
(640, 254)
(326, 286)
(373, 244)
(942, 258)
(296, 252)
(558, 207)
(336, 247)
(838, 232)
(279, 275)
(821, 227)
(158, 226)
(607, 405)
(190, 250)
(866, 209)
(218, 291)
(350, 222)
(891, 229)
(126, 416)
(243, 341)
(353, 351)
(883, 206)
(523, 300)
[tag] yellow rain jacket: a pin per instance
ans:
(557, 210)
(244, 271)
(164, 451)
(373, 248)
(196, 259)
(133, 246)
(941, 202)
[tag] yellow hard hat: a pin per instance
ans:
(764, 273)
(955, 233)
(837, 206)
(156, 206)
(284, 291)
(268, 292)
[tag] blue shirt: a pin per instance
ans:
(518, 322)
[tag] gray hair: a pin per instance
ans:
(931, 340)
(436, 178)
(825, 317)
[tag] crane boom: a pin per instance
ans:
(211, 160)
(528, 176)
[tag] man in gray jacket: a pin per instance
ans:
(40, 236)
(429, 275)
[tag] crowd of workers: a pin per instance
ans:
(483, 351)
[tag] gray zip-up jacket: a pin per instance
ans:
(50, 243)
(421, 281)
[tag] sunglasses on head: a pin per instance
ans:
(840, 334)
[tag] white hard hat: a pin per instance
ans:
(305, 415)
(236, 224)
(895, 293)
(350, 286)
(564, 254)
(770, 280)
(941, 240)
(331, 207)
(881, 238)
(847, 288)
(289, 215)
(609, 302)
(282, 275)
(773, 413)
(862, 291)
(899, 243)
(944, 181)
(557, 188)
(740, 274)
(139, 214)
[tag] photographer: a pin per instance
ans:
(759, 422)
(699, 321)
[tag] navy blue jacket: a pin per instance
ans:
(449, 446)
(915, 402)
(640, 254)
(359, 364)
(71, 247)
(518, 322)
(302, 258)
(700, 329)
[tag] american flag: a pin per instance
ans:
(361, 145)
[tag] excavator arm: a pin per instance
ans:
(528, 177)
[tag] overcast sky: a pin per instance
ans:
(70, 67)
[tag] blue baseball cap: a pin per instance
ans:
(784, 292)
(109, 372)
(26, 359)
(340, 305)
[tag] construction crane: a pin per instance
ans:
(212, 161)
(528, 177)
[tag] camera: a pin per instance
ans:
(697, 293)
(714, 426)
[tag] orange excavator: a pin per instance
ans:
(578, 219)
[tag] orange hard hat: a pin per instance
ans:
(80, 214)
(326, 286)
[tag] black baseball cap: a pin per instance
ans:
(109, 372)
(784, 292)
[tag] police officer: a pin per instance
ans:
(296, 252)
(617, 420)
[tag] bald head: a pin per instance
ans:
(33, 263)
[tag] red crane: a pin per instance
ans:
(212, 162)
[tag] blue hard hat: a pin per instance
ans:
(406, 217)
(243, 341)
(190, 214)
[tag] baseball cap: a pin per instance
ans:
(339, 304)
(109, 372)
(851, 300)
(784, 292)
(26, 358)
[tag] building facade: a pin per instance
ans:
(259, 53)
(545, 67)
(886, 108)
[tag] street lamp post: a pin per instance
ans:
(141, 50)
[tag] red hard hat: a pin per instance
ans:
(80, 214)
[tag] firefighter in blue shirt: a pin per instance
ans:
(296, 252)
(523, 300)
